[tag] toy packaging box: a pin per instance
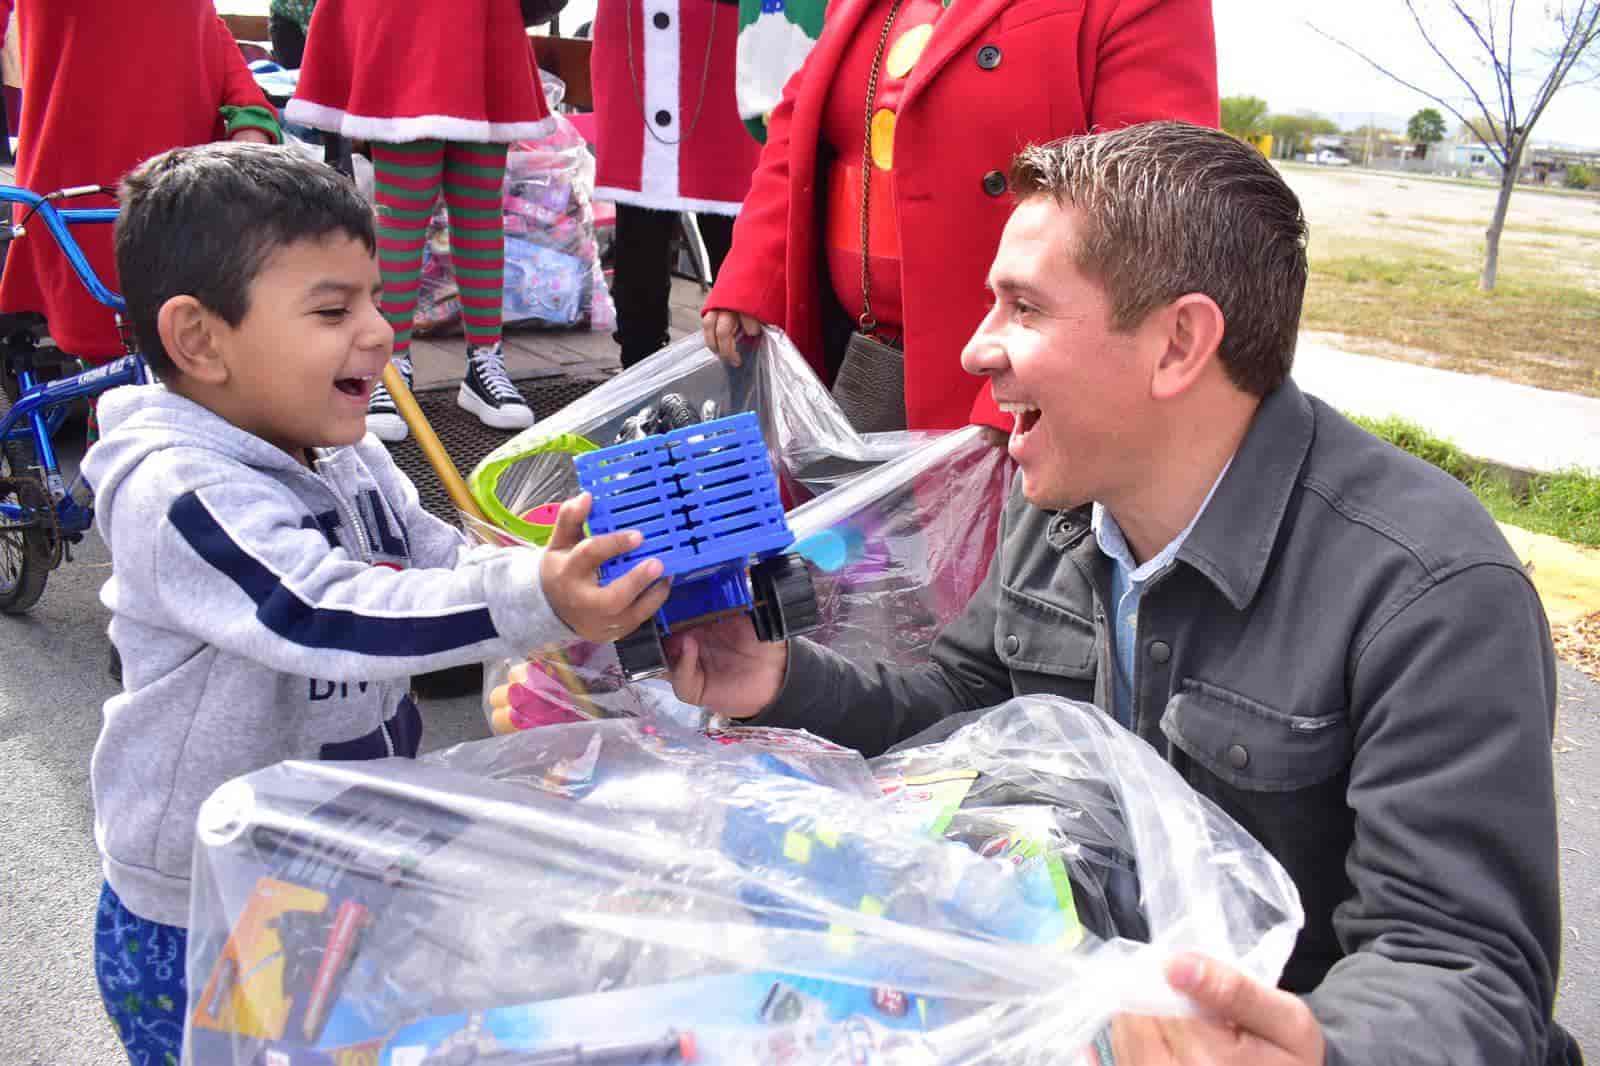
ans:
(621, 891)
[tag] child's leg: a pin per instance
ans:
(140, 967)
(473, 178)
(406, 185)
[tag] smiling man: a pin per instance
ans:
(1324, 635)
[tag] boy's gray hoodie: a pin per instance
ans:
(265, 611)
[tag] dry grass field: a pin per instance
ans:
(1394, 267)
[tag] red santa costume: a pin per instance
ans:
(669, 134)
(91, 112)
(986, 78)
(398, 71)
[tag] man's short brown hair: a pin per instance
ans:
(1171, 208)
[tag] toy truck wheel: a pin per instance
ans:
(641, 653)
(785, 600)
(675, 413)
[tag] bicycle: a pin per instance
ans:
(41, 515)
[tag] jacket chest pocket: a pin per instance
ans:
(1251, 746)
(1047, 648)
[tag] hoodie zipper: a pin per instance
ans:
(352, 521)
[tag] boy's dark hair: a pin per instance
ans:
(202, 222)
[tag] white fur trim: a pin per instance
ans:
(658, 165)
(417, 128)
(675, 203)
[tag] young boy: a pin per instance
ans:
(274, 579)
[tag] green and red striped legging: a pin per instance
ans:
(409, 178)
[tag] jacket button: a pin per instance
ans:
(988, 57)
(994, 183)
(1160, 651)
(1238, 757)
(662, 20)
(1013, 645)
(663, 118)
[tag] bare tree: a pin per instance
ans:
(1497, 115)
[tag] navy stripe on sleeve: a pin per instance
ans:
(281, 609)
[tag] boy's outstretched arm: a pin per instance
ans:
(234, 564)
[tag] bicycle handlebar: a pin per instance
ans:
(57, 220)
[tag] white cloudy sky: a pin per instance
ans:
(1266, 48)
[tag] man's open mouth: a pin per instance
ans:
(1026, 415)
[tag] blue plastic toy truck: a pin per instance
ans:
(705, 498)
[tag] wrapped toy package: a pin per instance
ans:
(626, 892)
(897, 528)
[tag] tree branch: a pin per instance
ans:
(1422, 29)
(1489, 141)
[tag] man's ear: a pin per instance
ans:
(1193, 328)
(188, 334)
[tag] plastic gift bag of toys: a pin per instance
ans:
(895, 529)
(625, 892)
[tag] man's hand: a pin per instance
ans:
(724, 668)
(570, 574)
(253, 135)
(723, 331)
(1244, 1023)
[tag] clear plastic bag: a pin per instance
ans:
(754, 896)
(899, 527)
(553, 275)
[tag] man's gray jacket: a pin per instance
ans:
(1347, 657)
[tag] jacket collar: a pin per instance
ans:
(1232, 543)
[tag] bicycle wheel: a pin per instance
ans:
(24, 549)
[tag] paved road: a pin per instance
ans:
(53, 680)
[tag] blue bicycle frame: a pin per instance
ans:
(40, 410)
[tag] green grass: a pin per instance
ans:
(1564, 504)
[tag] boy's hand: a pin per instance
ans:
(571, 579)
(724, 668)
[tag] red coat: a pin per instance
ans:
(1062, 68)
(645, 165)
(106, 85)
(408, 70)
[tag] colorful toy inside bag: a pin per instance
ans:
(899, 527)
(628, 892)
(553, 275)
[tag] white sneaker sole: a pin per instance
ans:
(388, 428)
(506, 416)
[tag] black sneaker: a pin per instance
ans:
(487, 392)
(383, 418)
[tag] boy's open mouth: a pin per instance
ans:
(353, 386)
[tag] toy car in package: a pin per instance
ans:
(887, 535)
(627, 892)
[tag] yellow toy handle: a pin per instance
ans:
(428, 441)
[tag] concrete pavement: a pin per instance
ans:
(1498, 421)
